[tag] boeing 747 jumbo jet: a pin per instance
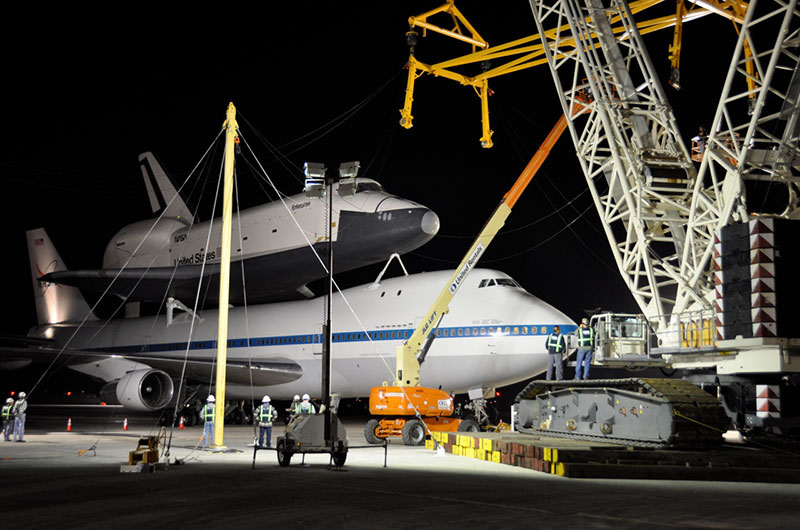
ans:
(166, 254)
(493, 336)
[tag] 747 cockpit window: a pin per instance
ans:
(505, 282)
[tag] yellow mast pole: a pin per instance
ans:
(231, 137)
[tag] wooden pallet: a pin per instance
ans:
(578, 459)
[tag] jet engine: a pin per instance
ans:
(143, 390)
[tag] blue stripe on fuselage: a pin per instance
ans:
(459, 332)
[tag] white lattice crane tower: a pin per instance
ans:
(658, 214)
(754, 136)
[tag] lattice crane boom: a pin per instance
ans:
(629, 147)
(754, 136)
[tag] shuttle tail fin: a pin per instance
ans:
(54, 303)
(161, 190)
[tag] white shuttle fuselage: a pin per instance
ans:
(273, 244)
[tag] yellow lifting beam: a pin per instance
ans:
(733, 10)
(528, 52)
(456, 33)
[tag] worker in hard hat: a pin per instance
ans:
(293, 409)
(583, 360)
(207, 413)
(8, 419)
(265, 414)
(556, 345)
(18, 412)
(306, 407)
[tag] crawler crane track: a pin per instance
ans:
(639, 412)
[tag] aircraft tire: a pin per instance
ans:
(284, 456)
(370, 432)
(413, 432)
(339, 458)
(469, 424)
(167, 415)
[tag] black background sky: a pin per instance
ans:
(84, 96)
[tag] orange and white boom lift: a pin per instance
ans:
(407, 409)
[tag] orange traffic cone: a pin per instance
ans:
(69, 424)
(125, 425)
(181, 426)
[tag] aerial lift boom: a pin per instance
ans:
(412, 353)
(406, 396)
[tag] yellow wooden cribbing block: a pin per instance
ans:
(496, 457)
(480, 454)
(428, 444)
(486, 444)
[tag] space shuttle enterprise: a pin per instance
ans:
(271, 257)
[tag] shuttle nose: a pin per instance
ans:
(430, 223)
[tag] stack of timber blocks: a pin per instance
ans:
(755, 266)
(544, 459)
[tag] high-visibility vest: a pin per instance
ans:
(306, 408)
(555, 342)
(208, 412)
(265, 413)
(585, 337)
(7, 411)
(19, 407)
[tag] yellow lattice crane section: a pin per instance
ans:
(527, 52)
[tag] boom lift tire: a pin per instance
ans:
(284, 456)
(414, 432)
(469, 425)
(339, 458)
(370, 432)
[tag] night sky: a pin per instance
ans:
(84, 99)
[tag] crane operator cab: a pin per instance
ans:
(622, 340)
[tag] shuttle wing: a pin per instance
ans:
(149, 285)
(259, 372)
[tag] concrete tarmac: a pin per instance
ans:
(45, 483)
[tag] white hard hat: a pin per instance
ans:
(306, 397)
(297, 397)
(22, 395)
(265, 400)
(211, 398)
(10, 400)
